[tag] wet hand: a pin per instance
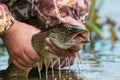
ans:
(60, 52)
(18, 43)
(64, 56)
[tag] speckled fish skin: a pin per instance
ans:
(59, 35)
(62, 37)
(22, 10)
(13, 72)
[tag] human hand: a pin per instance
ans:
(71, 54)
(60, 52)
(18, 43)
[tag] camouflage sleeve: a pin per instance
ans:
(50, 12)
(6, 19)
(20, 9)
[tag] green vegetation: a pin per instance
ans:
(95, 27)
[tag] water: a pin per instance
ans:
(59, 68)
(39, 68)
(53, 74)
(102, 65)
(97, 65)
(3, 62)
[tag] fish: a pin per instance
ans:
(62, 36)
(51, 13)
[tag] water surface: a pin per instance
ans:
(101, 65)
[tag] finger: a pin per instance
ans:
(35, 65)
(31, 53)
(67, 61)
(52, 48)
(72, 60)
(63, 62)
(55, 63)
(76, 48)
(18, 60)
(22, 59)
(22, 62)
(19, 65)
(59, 53)
(74, 55)
(26, 59)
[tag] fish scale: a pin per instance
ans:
(57, 35)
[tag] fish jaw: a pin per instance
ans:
(77, 36)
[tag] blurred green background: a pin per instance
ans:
(103, 24)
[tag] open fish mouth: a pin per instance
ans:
(69, 36)
(81, 37)
(78, 35)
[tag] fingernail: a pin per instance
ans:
(46, 47)
(47, 39)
